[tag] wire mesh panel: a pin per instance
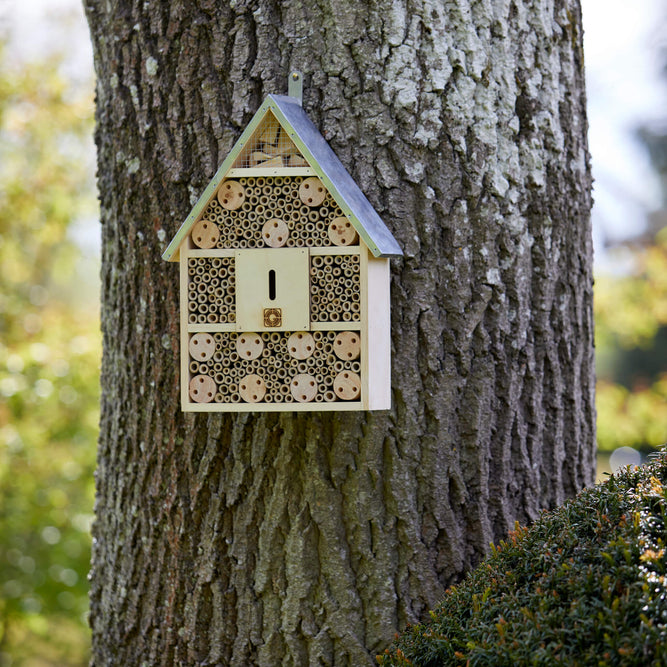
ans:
(270, 147)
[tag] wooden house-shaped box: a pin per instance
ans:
(284, 278)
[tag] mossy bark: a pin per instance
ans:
(311, 538)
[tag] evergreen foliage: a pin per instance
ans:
(585, 585)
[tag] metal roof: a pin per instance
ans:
(325, 164)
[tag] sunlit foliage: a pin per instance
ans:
(631, 322)
(49, 359)
(584, 585)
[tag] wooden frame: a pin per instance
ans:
(366, 401)
(262, 210)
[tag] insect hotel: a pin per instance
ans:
(284, 277)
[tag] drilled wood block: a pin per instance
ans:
(205, 234)
(252, 388)
(273, 162)
(347, 345)
(269, 133)
(202, 389)
(342, 233)
(231, 195)
(249, 346)
(257, 157)
(347, 386)
(275, 233)
(303, 388)
(300, 345)
(312, 192)
(296, 161)
(202, 346)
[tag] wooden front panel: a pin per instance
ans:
(272, 289)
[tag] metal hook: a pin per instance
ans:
(295, 86)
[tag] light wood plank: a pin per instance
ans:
(335, 326)
(379, 334)
(211, 328)
(183, 288)
(339, 406)
(270, 171)
(365, 381)
(226, 252)
(290, 270)
(335, 250)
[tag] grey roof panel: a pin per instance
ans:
(326, 165)
(334, 175)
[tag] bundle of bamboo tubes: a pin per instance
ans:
(211, 290)
(335, 288)
(240, 215)
(275, 367)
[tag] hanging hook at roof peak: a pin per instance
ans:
(295, 86)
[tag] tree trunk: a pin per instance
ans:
(311, 538)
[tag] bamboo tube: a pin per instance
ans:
(329, 396)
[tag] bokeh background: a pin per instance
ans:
(49, 293)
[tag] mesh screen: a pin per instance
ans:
(270, 147)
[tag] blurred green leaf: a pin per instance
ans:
(630, 320)
(49, 358)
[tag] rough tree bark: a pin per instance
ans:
(311, 538)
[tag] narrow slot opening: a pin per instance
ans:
(272, 285)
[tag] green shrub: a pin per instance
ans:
(585, 585)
